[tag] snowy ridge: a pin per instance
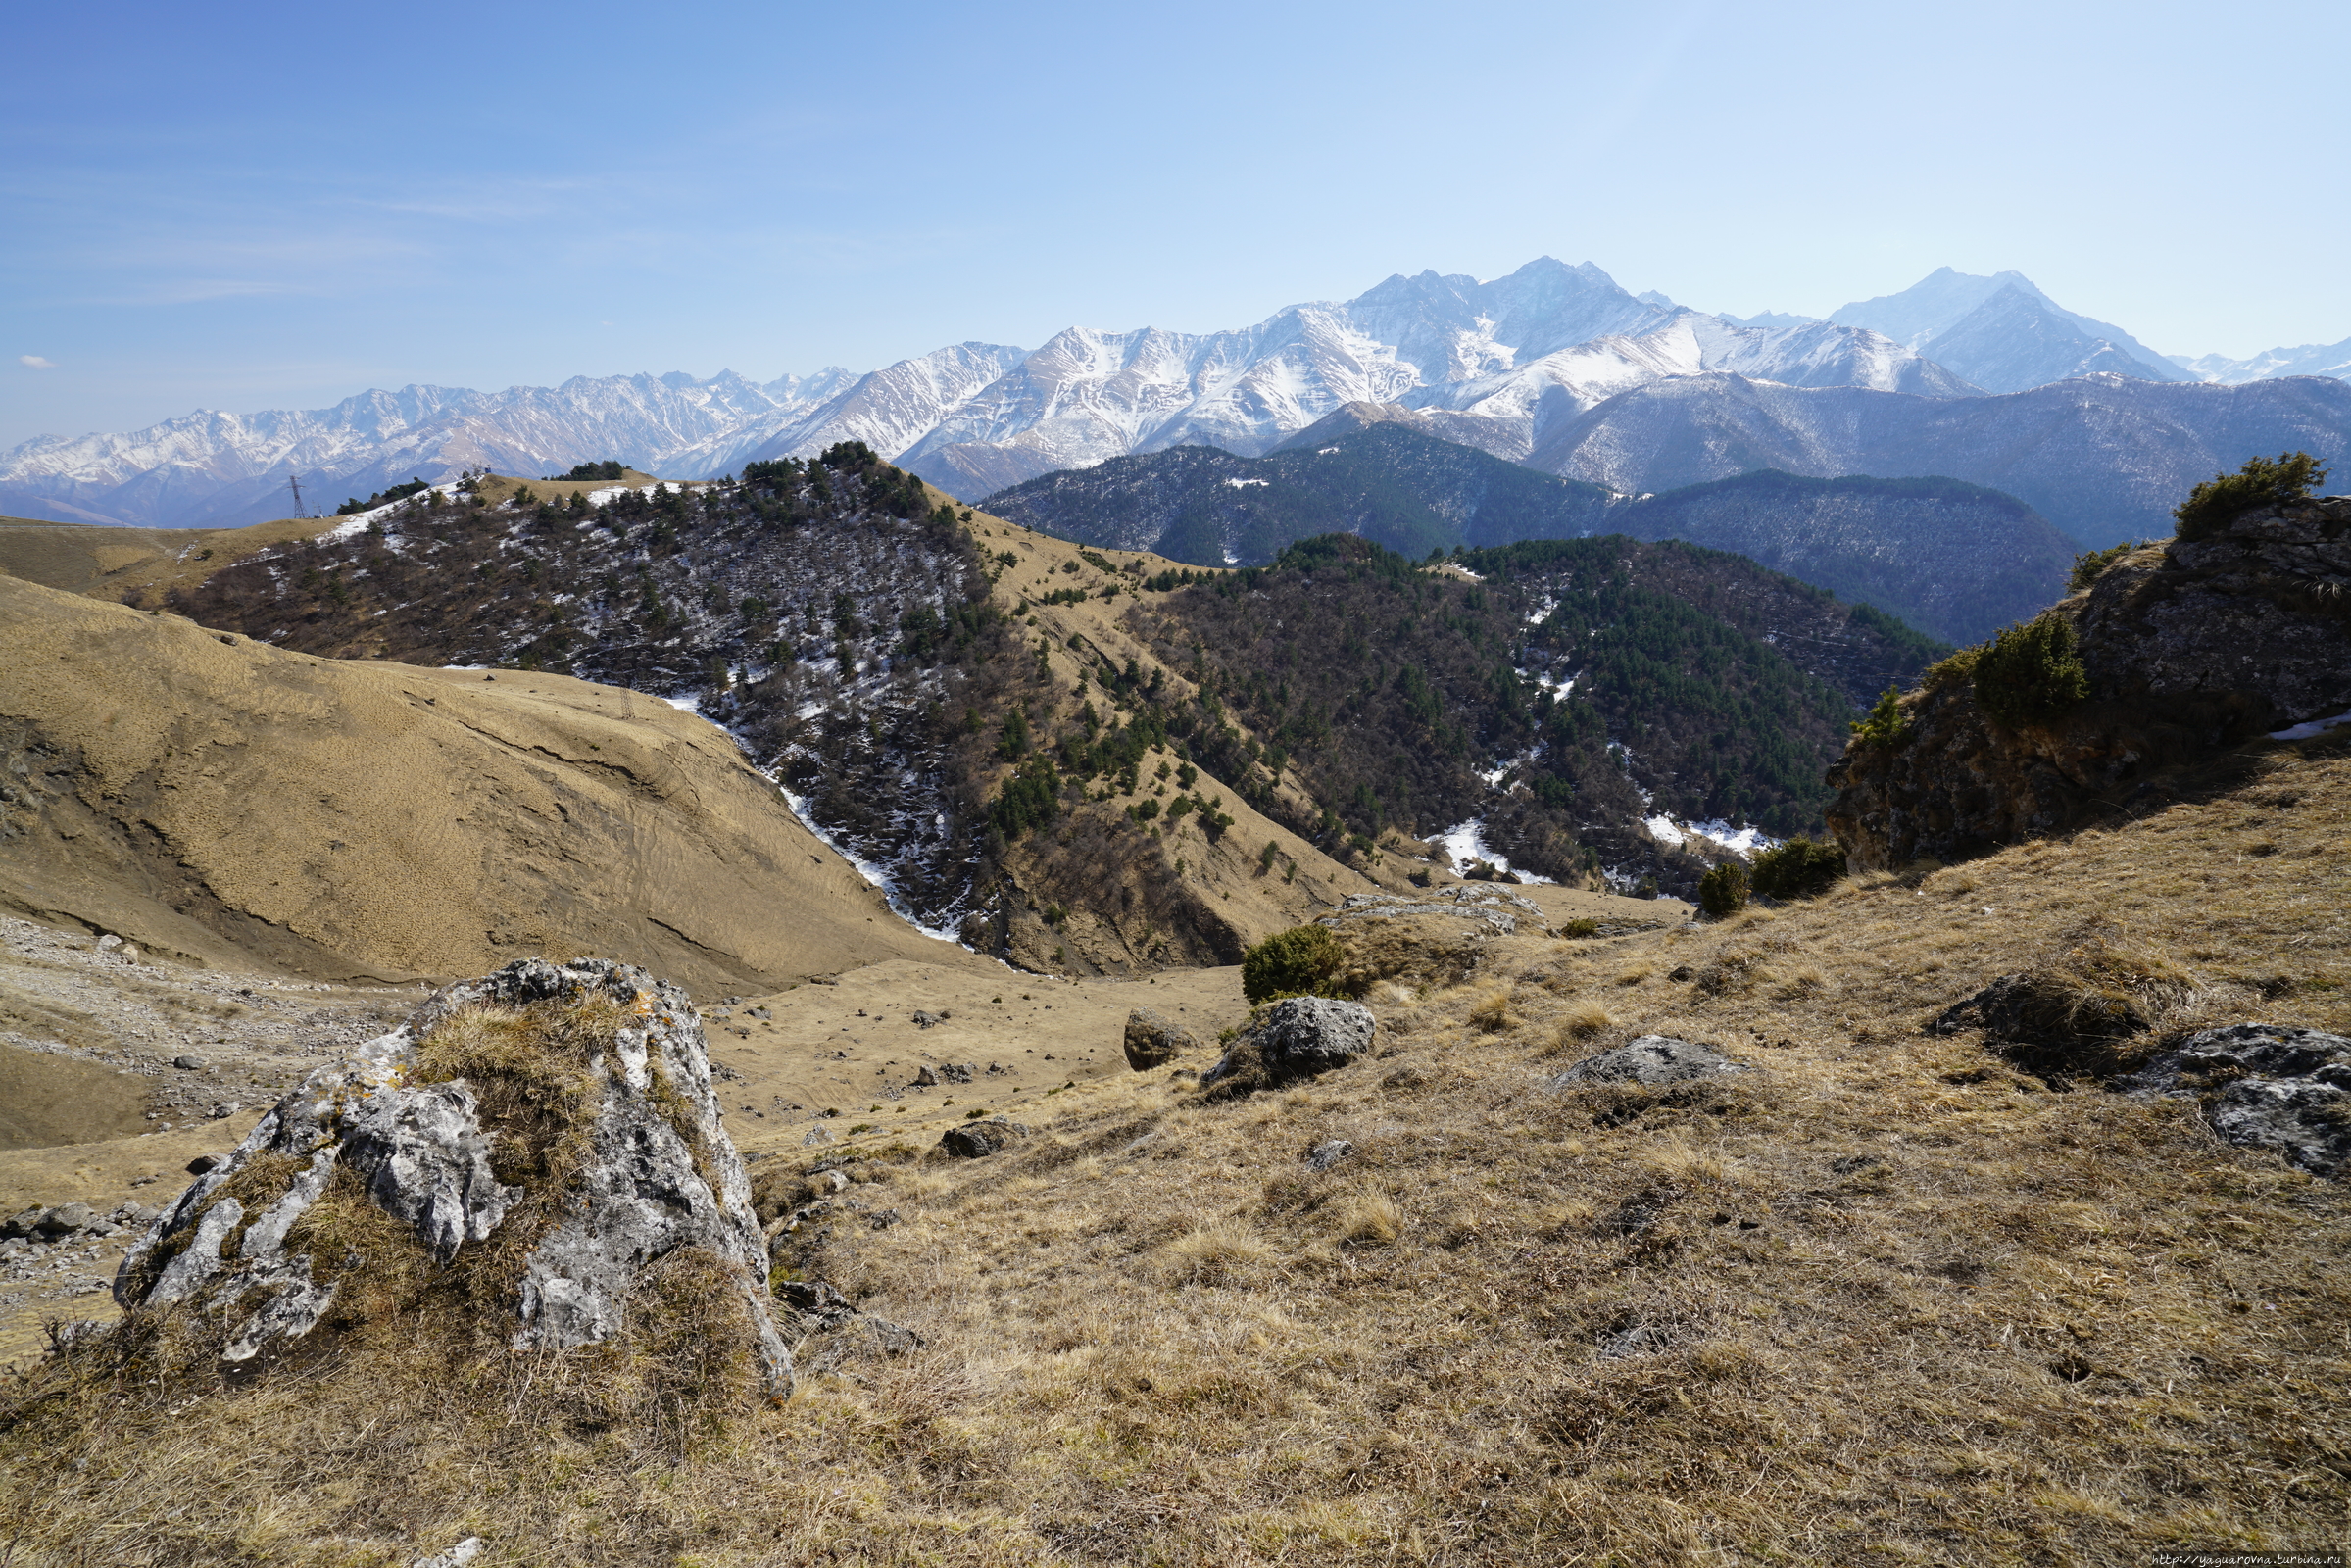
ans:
(1529, 351)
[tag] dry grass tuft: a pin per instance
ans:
(1370, 1219)
(1582, 1022)
(1492, 1012)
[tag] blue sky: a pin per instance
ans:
(268, 205)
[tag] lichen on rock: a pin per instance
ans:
(539, 1149)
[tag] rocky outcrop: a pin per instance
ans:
(2189, 647)
(2260, 1086)
(1151, 1040)
(1300, 1037)
(546, 1135)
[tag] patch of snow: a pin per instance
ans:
(2302, 732)
(1550, 602)
(691, 703)
(1748, 840)
(1243, 484)
(1324, 452)
(1745, 840)
(1467, 843)
(358, 523)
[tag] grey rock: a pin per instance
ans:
(65, 1219)
(109, 942)
(188, 1063)
(1151, 1040)
(23, 1223)
(822, 1312)
(926, 1078)
(979, 1139)
(1652, 1061)
(659, 1174)
(2264, 1086)
(205, 1163)
(456, 1556)
(225, 1111)
(1486, 905)
(1299, 1037)
(957, 1072)
(816, 1134)
(926, 1021)
(1327, 1153)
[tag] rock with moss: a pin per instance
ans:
(539, 1148)
(1153, 1041)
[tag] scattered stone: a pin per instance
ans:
(926, 1021)
(206, 1165)
(818, 1134)
(926, 1078)
(1652, 1061)
(657, 1175)
(225, 1111)
(1298, 1038)
(1154, 1042)
(820, 1310)
(65, 1219)
(24, 1224)
(979, 1139)
(2264, 1086)
(456, 1556)
(109, 942)
(957, 1072)
(830, 1181)
(1327, 1153)
(188, 1063)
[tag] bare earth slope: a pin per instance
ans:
(205, 796)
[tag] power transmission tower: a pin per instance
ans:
(295, 484)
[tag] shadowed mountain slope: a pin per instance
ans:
(2105, 457)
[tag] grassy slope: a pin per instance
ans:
(1885, 1300)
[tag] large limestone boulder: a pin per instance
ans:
(540, 1147)
(1650, 1061)
(1300, 1037)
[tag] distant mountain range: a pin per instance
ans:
(1508, 366)
(2104, 457)
(1952, 559)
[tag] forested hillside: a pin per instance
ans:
(1581, 686)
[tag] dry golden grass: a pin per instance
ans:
(1887, 1300)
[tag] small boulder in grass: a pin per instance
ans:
(1652, 1061)
(1151, 1040)
(979, 1139)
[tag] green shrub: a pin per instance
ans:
(1301, 961)
(1580, 927)
(1800, 868)
(1884, 725)
(2030, 674)
(2091, 564)
(2220, 499)
(1723, 891)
